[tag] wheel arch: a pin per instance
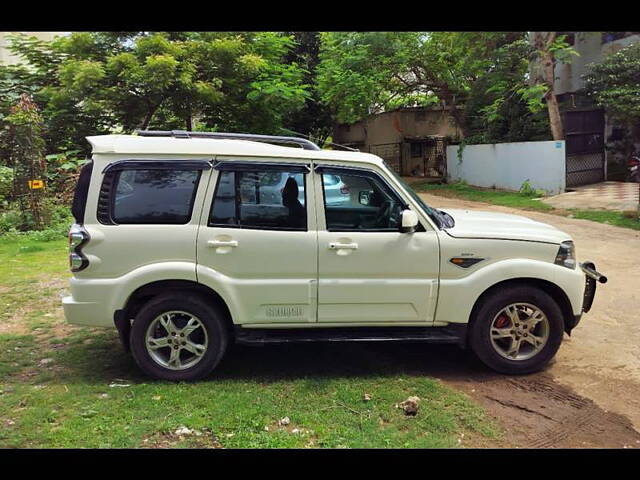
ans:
(123, 318)
(553, 290)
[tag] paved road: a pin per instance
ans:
(601, 360)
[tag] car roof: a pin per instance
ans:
(139, 145)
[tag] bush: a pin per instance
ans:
(528, 191)
(14, 225)
(6, 183)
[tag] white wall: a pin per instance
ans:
(508, 165)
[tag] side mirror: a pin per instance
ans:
(409, 221)
(364, 197)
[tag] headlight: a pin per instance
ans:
(566, 255)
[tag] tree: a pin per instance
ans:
(550, 48)
(615, 85)
(367, 72)
(314, 119)
(495, 110)
(25, 148)
(93, 83)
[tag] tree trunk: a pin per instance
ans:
(555, 120)
(147, 119)
(542, 42)
(455, 112)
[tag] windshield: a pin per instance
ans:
(435, 215)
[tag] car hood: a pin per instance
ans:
(478, 224)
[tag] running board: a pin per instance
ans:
(449, 334)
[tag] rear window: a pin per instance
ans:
(80, 195)
(154, 196)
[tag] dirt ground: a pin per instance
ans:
(590, 395)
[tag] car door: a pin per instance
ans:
(368, 271)
(257, 246)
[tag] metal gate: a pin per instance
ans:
(584, 134)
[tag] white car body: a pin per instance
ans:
(271, 279)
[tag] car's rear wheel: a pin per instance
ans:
(517, 329)
(178, 337)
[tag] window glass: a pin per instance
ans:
(273, 199)
(360, 202)
(154, 196)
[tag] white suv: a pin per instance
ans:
(188, 241)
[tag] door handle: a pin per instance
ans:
(343, 246)
(222, 243)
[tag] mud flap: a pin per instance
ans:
(123, 324)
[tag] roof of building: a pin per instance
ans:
(134, 144)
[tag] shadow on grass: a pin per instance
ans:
(105, 360)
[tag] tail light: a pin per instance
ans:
(633, 162)
(78, 237)
(344, 189)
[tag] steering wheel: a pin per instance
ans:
(383, 216)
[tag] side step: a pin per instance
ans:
(261, 336)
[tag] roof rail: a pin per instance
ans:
(303, 142)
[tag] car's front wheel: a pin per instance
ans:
(178, 337)
(517, 329)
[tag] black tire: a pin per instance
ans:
(480, 329)
(211, 317)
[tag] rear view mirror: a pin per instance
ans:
(409, 221)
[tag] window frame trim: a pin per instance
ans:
(362, 172)
(253, 167)
(157, 164)
(113, 171)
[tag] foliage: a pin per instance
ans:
(367, 72)
(528, 190)
(63, 170)
(92, 83)
(615, 84)
(495, 110)
(6, 183)
(314, 119)
(550, 48)
(25, 152)
(14, 224)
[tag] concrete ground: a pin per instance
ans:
(595, 376)
(620, 196)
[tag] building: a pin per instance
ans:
(411, 140)
(591, 135)
(6, 57)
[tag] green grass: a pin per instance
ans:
(525, 202)
(618, 219)
(55, 384)
(496, 197)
